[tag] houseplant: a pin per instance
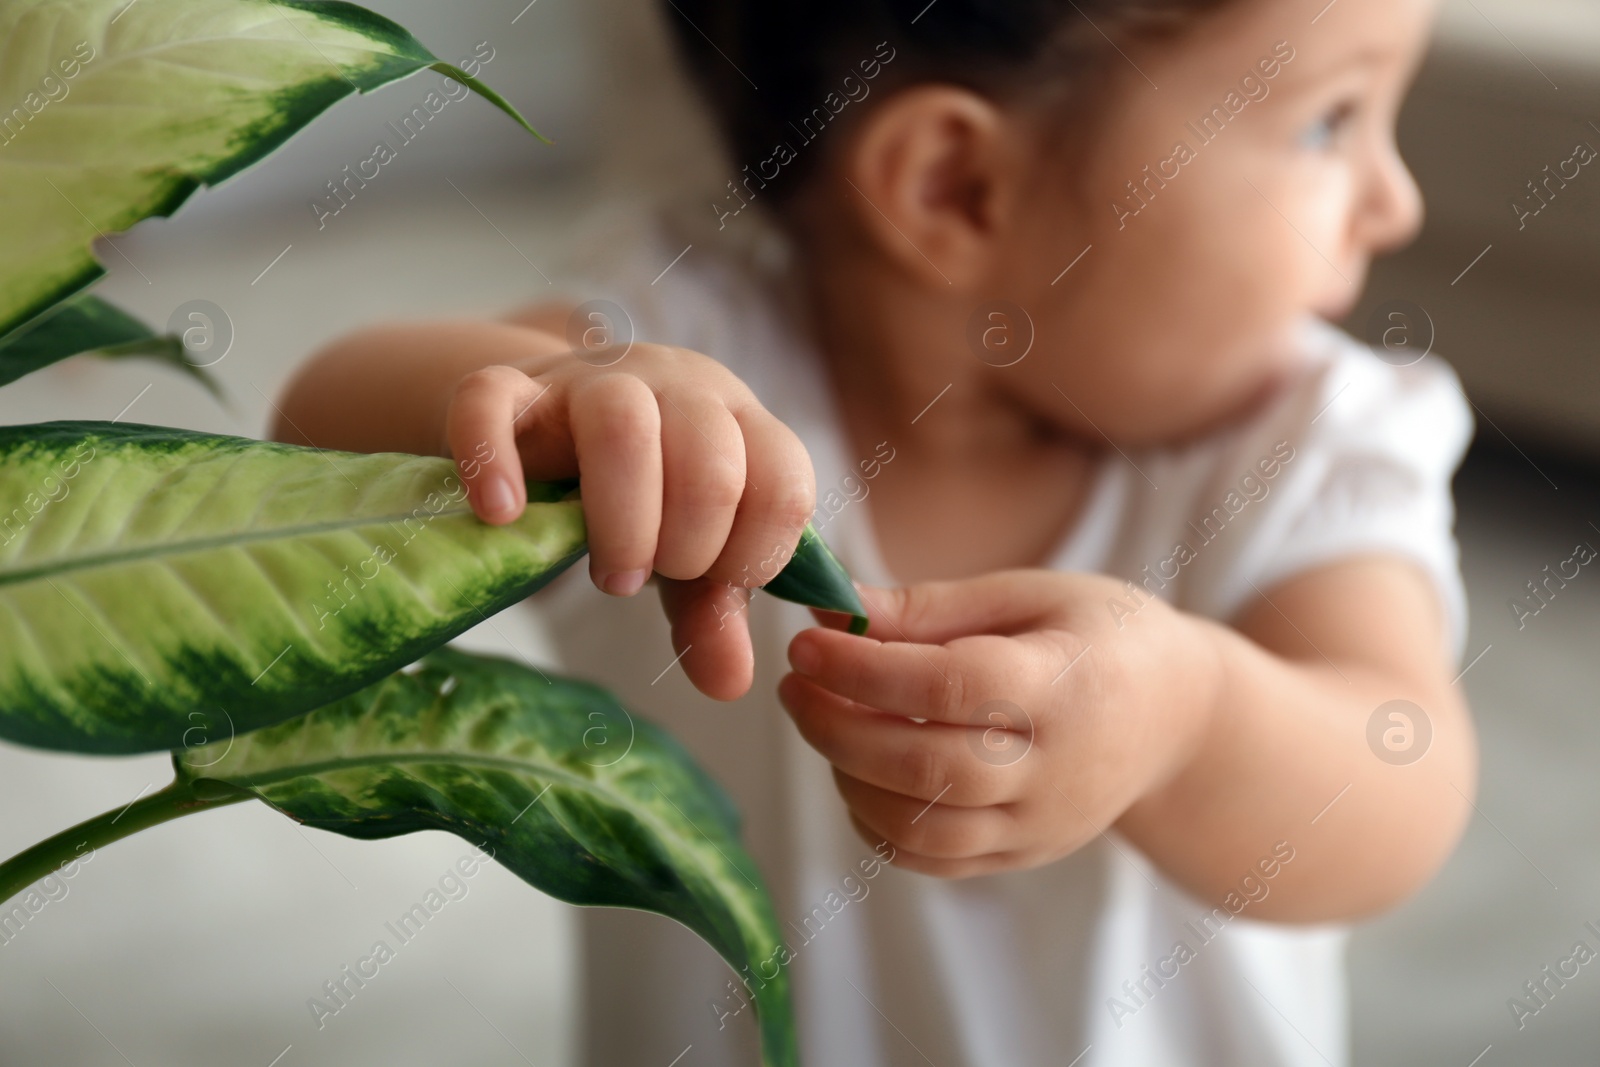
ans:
(273, 615)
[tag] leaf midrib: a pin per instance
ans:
(202, 544)
(343, 763)
(523, 766)
(247, 33)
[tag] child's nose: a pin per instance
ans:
(1392, 212)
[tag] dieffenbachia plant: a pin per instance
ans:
(275, 615)
(551, 776)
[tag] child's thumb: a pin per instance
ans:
(933, 613)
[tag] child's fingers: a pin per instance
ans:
(481, 434)
(938, 612)
(945, 683)
(710, 631)
(779, 496)
(832, 620)
(616, 432)
(937, 831)
(938, 868)
(703, 463)
(925, 761)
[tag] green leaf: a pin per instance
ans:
(450, 70)
(83, 324)
(157, 583)
(552, 776)
(89, 324)
(117, 111)
(815, 578)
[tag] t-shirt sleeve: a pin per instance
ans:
(1376, 447)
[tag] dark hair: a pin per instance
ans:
(764, 66)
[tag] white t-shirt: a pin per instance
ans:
(1062, 965)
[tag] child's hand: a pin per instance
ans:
(684, 474)
(1044, 721)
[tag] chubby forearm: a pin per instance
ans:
(386, 389)
(1286, 760)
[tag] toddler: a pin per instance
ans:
(1025, 304)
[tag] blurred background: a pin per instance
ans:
(200, 942)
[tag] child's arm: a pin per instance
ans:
(684, 472)
(1205, 746)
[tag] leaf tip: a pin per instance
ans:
(450, 70)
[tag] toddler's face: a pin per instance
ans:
(1264, 176)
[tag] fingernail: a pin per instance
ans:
(497, 497)
(803, 656)
(626, 583)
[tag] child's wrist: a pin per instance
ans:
(1200, 699)
(1212, 644)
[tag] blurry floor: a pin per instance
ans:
(198, 943)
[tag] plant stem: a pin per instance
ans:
(51, 854)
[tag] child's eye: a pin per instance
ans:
(1325, 130)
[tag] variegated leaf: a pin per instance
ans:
(551, 776)
(160, 584)
(157, 582)
(114, 111)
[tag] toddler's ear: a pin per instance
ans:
(935, 176)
